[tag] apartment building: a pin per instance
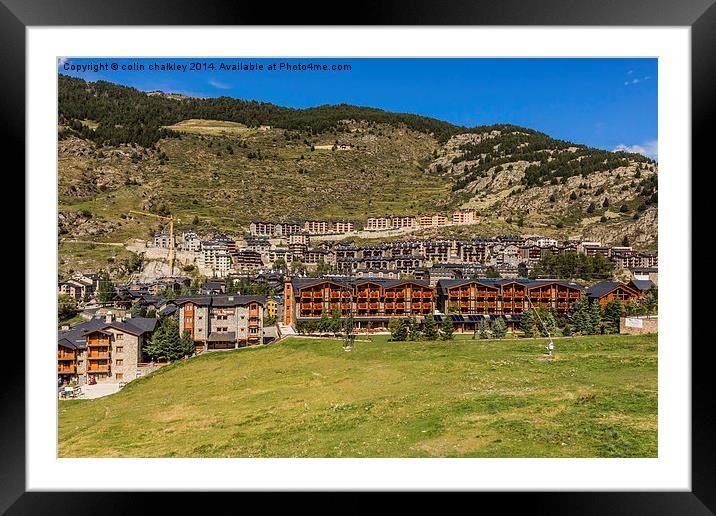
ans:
(606, 291)
(262, 228)
(108, 348)
(223, 322)
(191, 242)
(80, 287)
(403, 221)
(372, 301)
(433, 220)
(162, 239)
(316, 227)
(464, 216)
(342, 226)
(378, 223)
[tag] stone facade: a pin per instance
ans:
(639, 325)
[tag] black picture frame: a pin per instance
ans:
(700, 15)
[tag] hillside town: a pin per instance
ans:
(279, 279)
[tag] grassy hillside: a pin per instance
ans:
(208, 161)
(227, 177)
(308, 398)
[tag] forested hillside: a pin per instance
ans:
(218, 163)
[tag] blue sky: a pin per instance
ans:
(606, 103)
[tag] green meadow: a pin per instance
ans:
(308, 398)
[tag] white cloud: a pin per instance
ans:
(636, 80)
(61, 61)
(650, 149)
(218, 84)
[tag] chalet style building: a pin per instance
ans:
(605, 291)
(501, 297)
(371, 301)
(224, 321)
(106, 348)
(374, 301)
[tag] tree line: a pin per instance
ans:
(127, 115)
(573, 265)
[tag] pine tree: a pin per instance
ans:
(413, 329)
(484, 329)
(324, 325)
(447, 328)
(581, 319)
(611, 313)
(595, 318)
(499, 328)
(398, 330)
(430, 330)
(105, 289)
(336, 320)
(528, 324)
(166, 342)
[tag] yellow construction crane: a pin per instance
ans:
(171, 234)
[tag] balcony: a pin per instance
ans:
(363, 294)
(389, 306)
(400, 306)
(98, 343)
(373, 306)
(318, 306)
(98, 356)
(346, 294)
(362, 306)
(66, 370)
(97, 369)
(390, 294)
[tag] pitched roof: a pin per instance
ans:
(222, 300)
(603, 288)
(641, 284)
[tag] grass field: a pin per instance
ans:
(308, 398)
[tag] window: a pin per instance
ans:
(119, 376)
(119, 361)
(120, 349)
(119, 336)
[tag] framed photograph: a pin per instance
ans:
(416, 250)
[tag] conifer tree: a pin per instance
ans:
(611, 313)
(595, 318)
(430, 330)
(447, 329)
(484, 329)
(499, 328)
(413, 329)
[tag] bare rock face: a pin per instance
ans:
(78, 224)
(640, 232)
(577, 202)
